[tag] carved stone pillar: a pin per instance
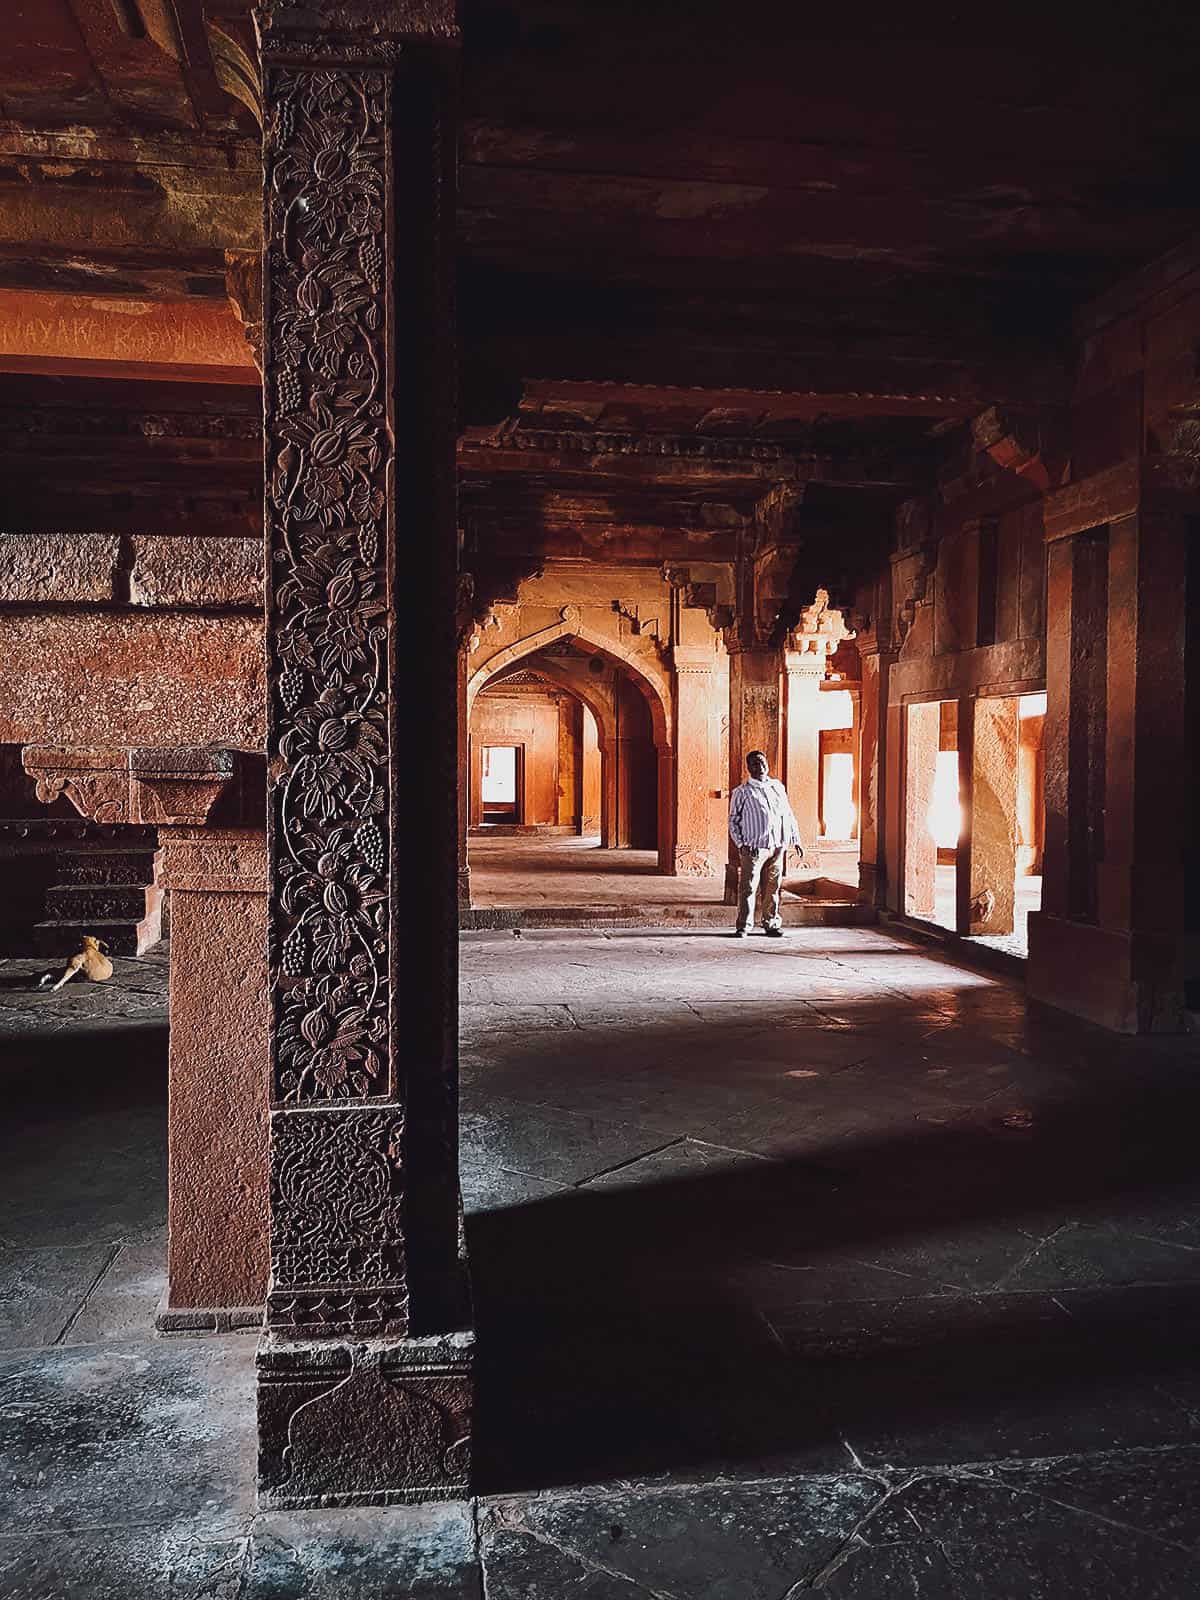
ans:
(364, 1368)
(216, 876)
(468, 799)
(217, 1254)
(922, 724)
(814, 640)
(700, 806)
(986, 860)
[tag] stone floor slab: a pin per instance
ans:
(41, 1291)
(755, 1541)
(151, 1433)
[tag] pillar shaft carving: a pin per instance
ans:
(363, 1185)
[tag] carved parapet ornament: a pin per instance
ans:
(158, 787)
(816, 637)
(364, 1368)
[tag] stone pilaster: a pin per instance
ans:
(922, 725)
(811, 645)
(986, 860)
(1116, 938)
(364, 1368)
(700, 806)
(217, 1253)
(874, 755)
(755, 723)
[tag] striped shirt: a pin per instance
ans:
(761, 816)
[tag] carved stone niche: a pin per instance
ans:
(159, 787)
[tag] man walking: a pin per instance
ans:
(763, 826)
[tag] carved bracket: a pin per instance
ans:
(167, 787)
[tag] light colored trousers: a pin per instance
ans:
(760, 876)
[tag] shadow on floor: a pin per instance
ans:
(729, 1322)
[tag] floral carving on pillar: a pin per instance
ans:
(329, 465)
(358, 363)
(329, 456)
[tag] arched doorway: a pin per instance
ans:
(535, 757)
(568, 753)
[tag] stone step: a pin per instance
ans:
(106, 866)
(65, 937)
(796, 914)
(126, 936)
(75, 902)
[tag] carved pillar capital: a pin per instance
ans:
(816, 637)
(693, 658)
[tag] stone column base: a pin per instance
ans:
(207, 1319)
(1129, 983)
(377, 1422)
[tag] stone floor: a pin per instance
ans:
(567, 881)
(801, 1265)
(534, 871)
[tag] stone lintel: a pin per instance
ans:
(374, 1422)
(307, 32)
(1103, 497)
(58, 568)
(1168, 481)
(218, 570)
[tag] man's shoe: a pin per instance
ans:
(773, 933)
(739, 933)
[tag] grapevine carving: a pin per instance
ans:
(329, 452)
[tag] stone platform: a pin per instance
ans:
(810, 1264)
(539, 882)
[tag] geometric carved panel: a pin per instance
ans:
(337, 1221)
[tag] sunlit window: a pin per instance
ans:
(499, 779)
(837, 796)
(945, 813)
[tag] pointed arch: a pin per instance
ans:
(655, 694)
(555, 675)
(572, 626)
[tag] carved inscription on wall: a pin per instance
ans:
(760, 698)
(329, 451)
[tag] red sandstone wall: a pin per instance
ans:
(152, 640)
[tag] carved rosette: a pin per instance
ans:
(329, 462)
